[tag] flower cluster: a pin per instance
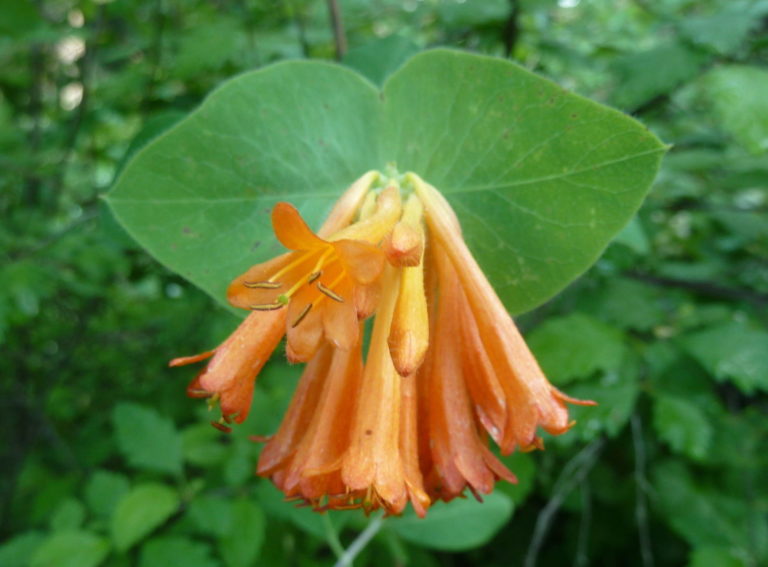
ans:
(445, 370)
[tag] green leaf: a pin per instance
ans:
(739, 97)
(538, 176)
(148, 440)
(576, 346)
(457, 525)
(19, 18)
(733, 351)
(241, 545)
(615, 393)
(104, 490)
(633, 237)
(176, 551)
(211, 515)
(152, 127)
(702, 515)
(202, 445)
(273, 502)
(642, 76)
(68, 516)
(470, 14)
(723, 31)
(207, 46)
(628, 304)
(71, 549)
(683, 426)
(715, 556)
(17, 552)
(142, 510)
(379, 59)
(523, 465)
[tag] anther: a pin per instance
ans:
(304, 313)
(263, 285)
(314, 275)
(330, 293)
(221, 426)
(198, 393)
(267, 306)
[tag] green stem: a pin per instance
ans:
(333, 537)
(360, 542)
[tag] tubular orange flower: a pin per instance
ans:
(230, 375)
(446, 366)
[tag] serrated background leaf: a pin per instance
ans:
(16, 552)
(460, 524)
(240, 545)
(148, 440)
(739, 96)
(141, 511)
(733, 351)
(273, 502)
(104, 490)
(576, 346)
(71, 549)
(539, 176)
(683, 426)
(715, 556)
(176, 551)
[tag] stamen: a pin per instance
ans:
(263, 285)
(267, 306)
(325, 258)
(198, 393)
(329, 293)
(213, 400)
(313, 276)
(304, 313)
(301, 257)
(229, 417)
(221, 426)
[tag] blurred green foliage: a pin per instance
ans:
(105, 462)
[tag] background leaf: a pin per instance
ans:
(147, 440)
(240, 545)
(739, 95)
(17, 551)
(104, 490)
(733, 351)
(176, 551)
(576, 346)
(142, 510)
(71, 549)
(379, 59)
(683, 426)
(461, 524)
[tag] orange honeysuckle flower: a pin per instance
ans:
(229, 376)
(446, 367)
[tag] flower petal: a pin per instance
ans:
(362, 261)
(291, 230)
(340, 321)
(373, 463)
(238, 360)
(296, 420)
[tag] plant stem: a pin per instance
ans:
(333, 538)
(360, 542)
(339, 37)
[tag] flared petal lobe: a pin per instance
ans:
(231, 372)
